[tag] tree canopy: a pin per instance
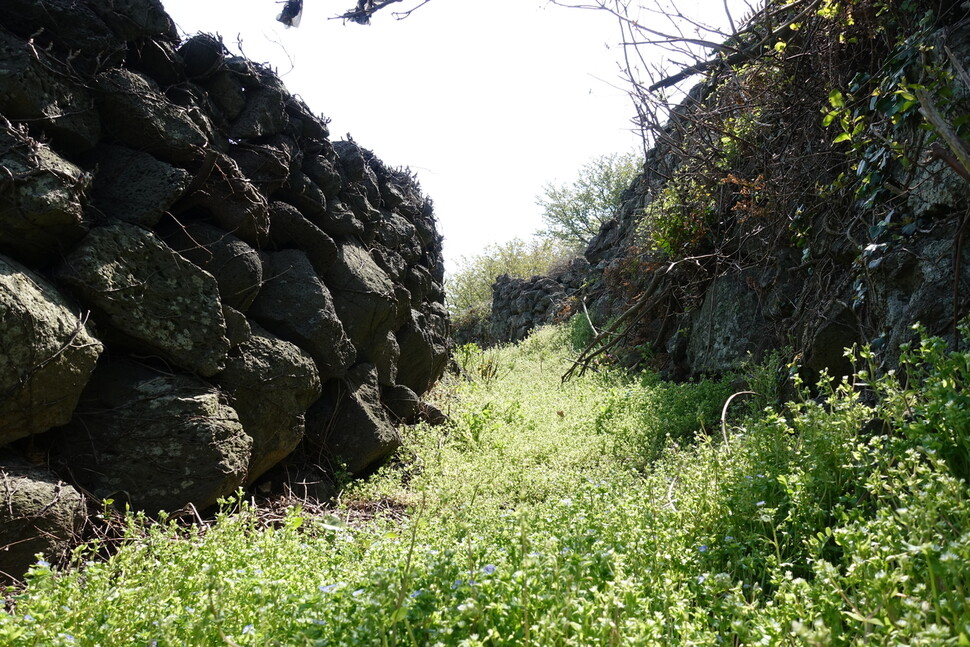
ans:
(573, 213)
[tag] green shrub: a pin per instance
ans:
(538, 518)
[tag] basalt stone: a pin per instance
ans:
(34, 90)
(349, 425)
(271, 383)
(232, 202)
(203, 55)
(363, 296)
(63, 28)
(136, 20)
(160, 303)
(266, 165)
(340, 220)
(47, 353)
(39, 514)
(263, 116)
(424, 351)
(226, 92)
(159, 60)
(155, 440)
(401, 402)
(238, 327)
(291, 230)
(137, 115)
(234, 264)
(323, 173)
(300, 191)
(295, 305)
(310, 125)
(42, 199)
(135, 187)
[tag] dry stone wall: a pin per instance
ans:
(197, 285)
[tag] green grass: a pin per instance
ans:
(606, 511)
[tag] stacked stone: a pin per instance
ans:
(195, 281)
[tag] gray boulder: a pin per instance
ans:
(234, 264)
(39, 514)
(135, 187)
(349, 425)
(233, 202)
(271, 384)
(137, 115)
(263, 116)
(364, 297)
(156, 440)
(295, 305)
(424, 351)
(32, 91)
(156, 299)
(291, 229)
(47, 354)
(42, 199)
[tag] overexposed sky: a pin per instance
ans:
(486, 100)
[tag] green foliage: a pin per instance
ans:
(680, 216)
(840, 519)
(573, 213)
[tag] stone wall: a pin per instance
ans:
(521, 305)
(197, 285)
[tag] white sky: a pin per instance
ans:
(487, 100)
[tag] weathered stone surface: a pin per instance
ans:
(386, 354)
(401, 402)
(300, 191)
(729, 325)
(234, 264)
(140, 287)
(271, 384)
(60, 29)
(291, 229)
(238, 327)
(31, 91)
(203, 55)
(155, 440)
(915, 283)
(424, 351)
(227, 93)
(135, 187)
(363, 296)
(42, 199)
(159, 61)
(295, 305)
(263, 116)
(232, 202)
(139, 116)
(521, 305)
(323, 172)
(47, 353)
(39, 513)
(349, 424)
(267, 165)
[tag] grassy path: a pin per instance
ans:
(603, 512)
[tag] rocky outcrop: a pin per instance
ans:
(193, 276)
